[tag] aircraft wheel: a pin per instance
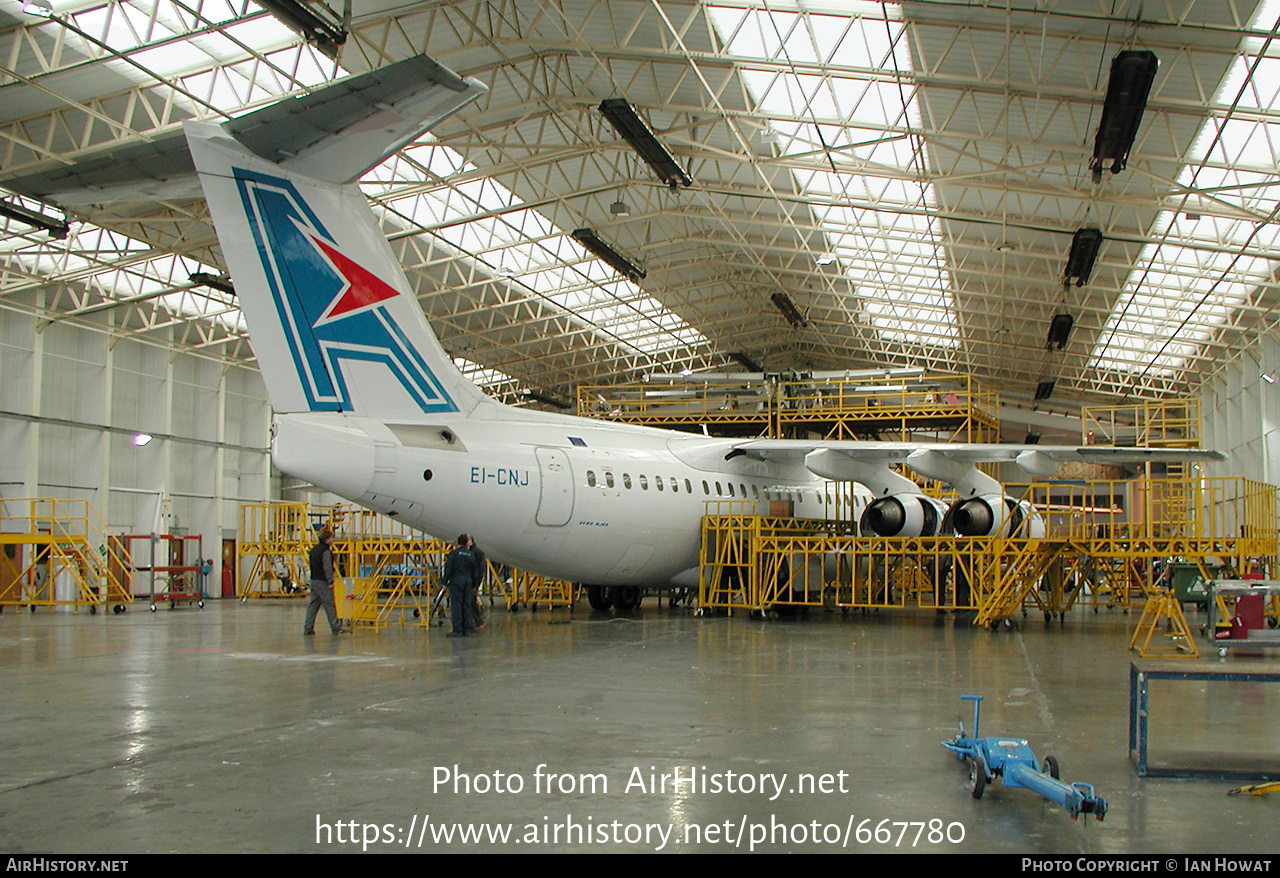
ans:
(599, 597)
(1050, 767)
(626, 597)
(153, 608)
(200, 604)
(978, 774)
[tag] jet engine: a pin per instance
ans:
(994, 514)
(903, 515)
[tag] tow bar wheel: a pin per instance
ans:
(978, 774)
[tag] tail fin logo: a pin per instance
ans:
(333, 310)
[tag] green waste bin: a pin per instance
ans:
(1188, 582)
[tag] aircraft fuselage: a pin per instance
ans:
(571, 498)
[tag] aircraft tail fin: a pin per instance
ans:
(332, 317)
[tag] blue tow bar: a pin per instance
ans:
(1013, 760)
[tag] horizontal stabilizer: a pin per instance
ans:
(338, 133)
(159, 169)
(335, 134)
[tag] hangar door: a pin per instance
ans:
(555, 486)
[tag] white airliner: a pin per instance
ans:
(369, 406)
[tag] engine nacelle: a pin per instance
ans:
(994, 514)
(903, 515)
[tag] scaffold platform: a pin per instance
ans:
(59, 554)
(1099, 554)
(951, 407)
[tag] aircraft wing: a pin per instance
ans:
(869, 462)
(791, 450)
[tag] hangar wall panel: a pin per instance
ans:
(73, 396)
(1241, 414)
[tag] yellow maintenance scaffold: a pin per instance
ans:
(950, 407)
(273, 543)
(1107, 543)
(385, 572)
(58, 553)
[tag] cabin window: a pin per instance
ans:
(743, 489)
(644, 484)
(626, 481)
(731, 494)
(755, 493)
(688, 487)
(591, 478)
(657, 482)
(675, 485)
(608, 479)
(705, 489)
(719, 490)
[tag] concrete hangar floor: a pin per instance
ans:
(224, 729)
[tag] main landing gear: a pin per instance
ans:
(623, 598)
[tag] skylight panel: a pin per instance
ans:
(116, 268)
(855, 128)
(1202, 265)
(168, 40)
(481, 375)
(481, 219)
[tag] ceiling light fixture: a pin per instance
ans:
(624, 119)
(1059, 331)
(597, 245)
(785, 304)
(1132, 73)
(546, 399)
(141, 439)
(213, 282)
(1085, 244)
(327, 38)
(58, 228)
(42, 8)
(620, 209)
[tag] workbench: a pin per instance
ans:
(1218, 764)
